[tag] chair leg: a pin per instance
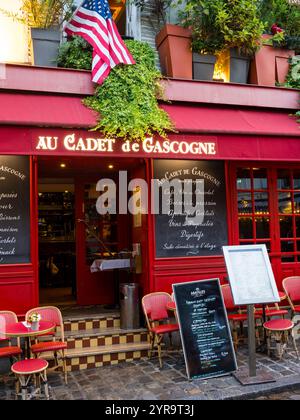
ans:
(44, 378)
(152, 342)
(65, 367)
(159, 339)
(295, 344)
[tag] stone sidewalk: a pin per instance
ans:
(143, 380)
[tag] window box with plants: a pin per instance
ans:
(44, 19)
(217, 28)
(280, 42)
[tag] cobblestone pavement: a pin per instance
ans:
(286, 396)
(143, 380)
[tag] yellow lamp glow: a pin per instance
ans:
(14, 35)
(222, 67)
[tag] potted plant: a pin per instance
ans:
(207, 40)
(282, 38)
(239, 24)
(44, 18)
(34, 320)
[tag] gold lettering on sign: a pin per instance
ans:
(75, 144)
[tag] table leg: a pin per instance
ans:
(27, 348)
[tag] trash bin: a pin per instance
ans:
(129, 306)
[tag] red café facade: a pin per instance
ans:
(241, 138)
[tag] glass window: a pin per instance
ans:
(284, 180)
(287, 246)
(298, 227)
(261, 203)
(286, 227)
(296, 180)
(243, 179)
(262, 228)
(245, 203)
(260, 179)
(246, 227)
(297, 202)
(285, 203)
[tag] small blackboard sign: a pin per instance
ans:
(175, 234)
(14, 210)
(204, 329)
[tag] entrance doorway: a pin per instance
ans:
(72, 234)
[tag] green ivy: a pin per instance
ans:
(293, 78)
(75, 54)
(127, 101)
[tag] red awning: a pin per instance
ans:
(45, 110)
(68, 111)
(197, 119)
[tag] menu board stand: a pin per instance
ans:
(204, 329)
(252, 282)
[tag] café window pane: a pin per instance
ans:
(246, 227)
(287, 246)
(262, 228)
(285, 203)
(298, 246)
(296, 180)
(284, 180)
(286, 227)
(297, 202)
(286, 259)
(245, 203)
(260, 179)
(267, 243)
(261, 203)
(243, 179)
(298, 227)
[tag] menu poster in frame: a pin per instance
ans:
(14, 210)
(204, 329)
(250, 274)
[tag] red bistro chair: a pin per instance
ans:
(57, 347)
(11, 352)
(291, 286)
(235, 316)
(158, 321)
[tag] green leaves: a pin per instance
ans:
(75, 54)
(127, 101)
(42, 13)
(221, 24)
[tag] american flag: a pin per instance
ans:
(93, 21)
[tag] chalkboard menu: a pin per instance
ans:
(14, 210)
(204, 329)
(176, 236)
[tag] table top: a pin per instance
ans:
(20, 330)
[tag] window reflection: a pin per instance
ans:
(260, 179)
(243, 179)
(261, 203)
(284, 180)
(245, 203)
(285, 203)
(297, 202)
(297, 180)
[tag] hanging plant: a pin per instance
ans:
(127, 101)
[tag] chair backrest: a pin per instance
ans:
(6, 318)
(291, 287)
(228, 298)
(50, 314)
(155, 306)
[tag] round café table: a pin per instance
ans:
(20, 330)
